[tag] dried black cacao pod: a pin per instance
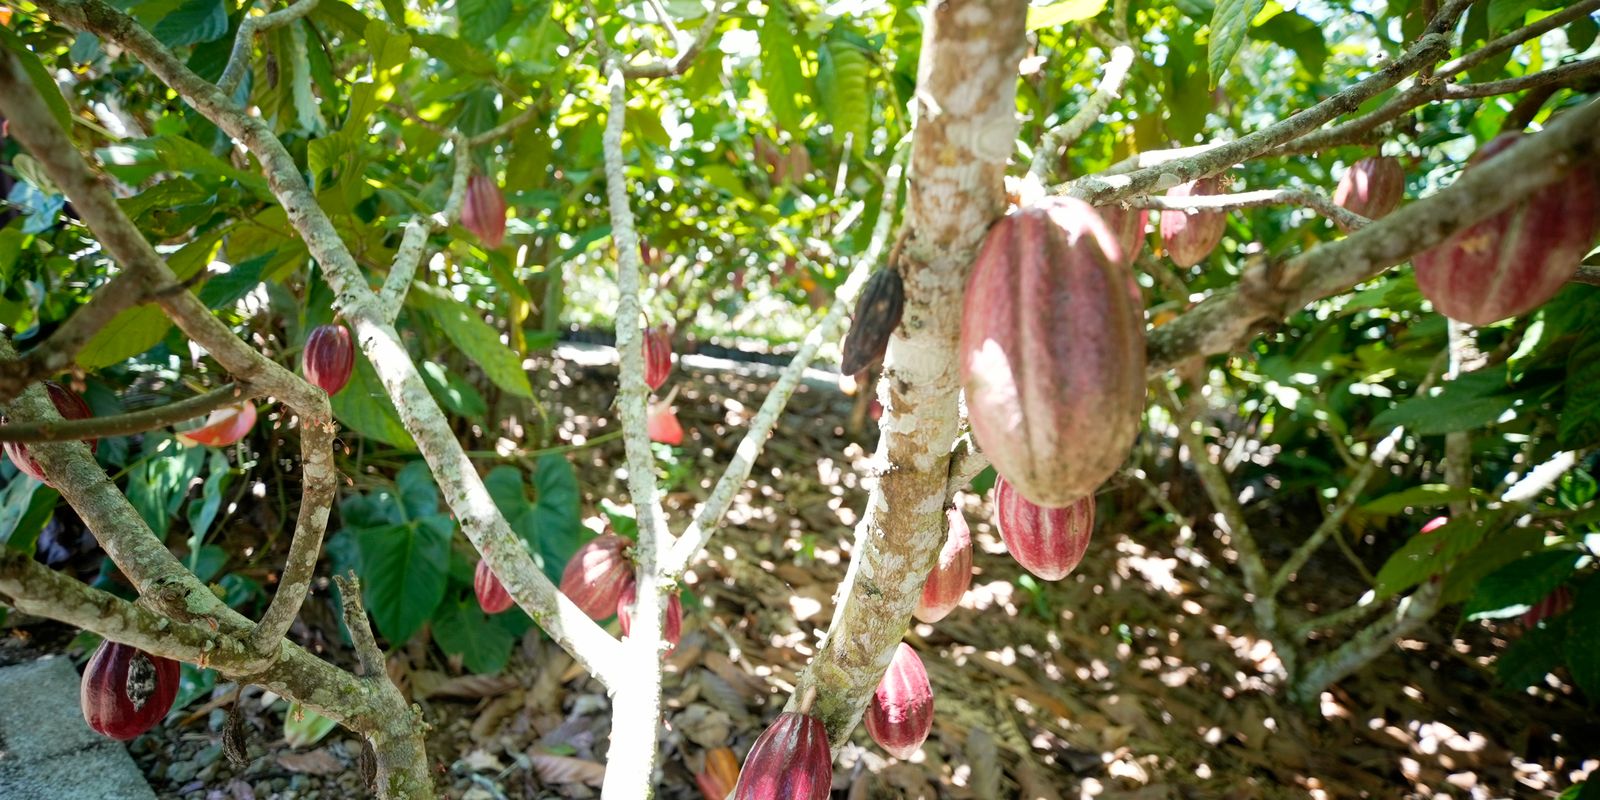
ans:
(877, 315)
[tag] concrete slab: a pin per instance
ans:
(47, 751)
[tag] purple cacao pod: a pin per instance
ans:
(1372, 187)
(789, 761)
(1052, 351)
(671, 623)
(1554, 604)
(70, 405)
(1189, 238)
(1516, 260)
(950, 577)
(483, 211)
(1048, 542)
(492, 595)
(126, 691)
(1128, 225)
(598, 574)
(900, 715)
(657, 356)
(329, 357)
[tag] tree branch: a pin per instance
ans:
(128, 289)
(239, 56)
(680, 62)
(127, 424)
(414, 245)
(1115, 73)
(1308, 198)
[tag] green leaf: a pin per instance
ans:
(477, 340)
(1583, 638)
(231, 286)
(1063, 11)
(1514, 588)
(303, 727)
(463, 629)
(25, 507)
(403, 571)
(1507, 14)
(1230, 24)
(419, 495)
(1531, 657)
(1580, 35)
(1297, 33)
(452, 391)
(365, 407)
(556, 513)
(1428, 554)
(1430, 495)
(842, 72)
(481, 19)
(193, 21)
(781, 76)
(1580, 409)
(1469, 402)
(48, 89)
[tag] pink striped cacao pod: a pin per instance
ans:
(222, 427)
(70, 405)
(789, 761)
(951, 576)
(1553, 605)
(671, 622)
(492, 595)
(900, 715)
(1128, 225)
(1048, 542)
(657, 356)
(1189, 238)
(662, 425)
(1372, 187)
(1052, 351)
(126, 691)
(598, 574)
(329, 357)
(1516, 260)
(483, 211)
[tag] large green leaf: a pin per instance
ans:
(193, 21)
(463, 629)
(25, 507)
(1531, 657)
(781, 76)
(481, 19)
(1583, 638)
(1580, 409)
(47, 86)
(127, 334)
(1514, 588)
(477, 340)
(1062, 12)
(1428, 554)
(551, 527)
(1428, 495)
(842, 72)
(365, 407)
(403, 571)
(1230, 26)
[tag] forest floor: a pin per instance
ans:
(1138, 676)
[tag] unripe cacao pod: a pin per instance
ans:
(492, 595)
(1189, 238)
(1554, 604)
(671, 622)
(1372, 187)
(721, 772)
(329, 357)
(951, 576)
(1052, 351)
(598, 574)
(900, 715)
(223, 427)
(483, 211)
(657, 356)
(789, 761)
(1048, 542)
(70, 406)
(126, 691)
(663, 426)
(1516, 260)
(878, 311)
(1128, 226)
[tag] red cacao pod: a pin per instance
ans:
(492, 595)
(900, 715)
(721, 772)
(657, 356)
(789, 761)
(329, 357)
(1434, 524)
(671, 623)
(484, 211)
(1372, 187)
(598, 574)
(878, 311)
(70, 405)
(126, 691)
(1128, 225)
(1189, 238)
(663, 426)
(1048, 542)
(223, 427)
(1516, 260)
(1554, 604)
(951, 576)
(1052, 351)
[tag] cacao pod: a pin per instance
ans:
(1372, 187)
(484, 211)
(1516, 260)
(1189, 238)
(328, 358)
(1128, 226)
(721, 772)
(223, 427)
(900, 715)
(492, 595)
(598, 574)
(878, 311)
(1434, 524)
(657, 356)
(1052, 351)
(662, 425)
(126, 691)
(1048, 542)
(1553, 605)
(789, 761)
(671, 623)
(951, 576)
(70, 405)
